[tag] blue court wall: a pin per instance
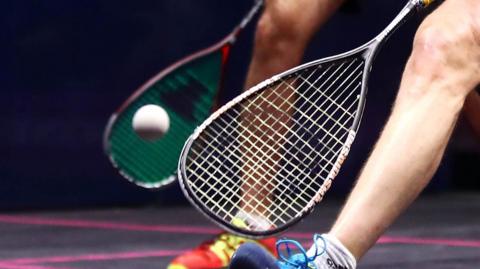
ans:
(65, 66)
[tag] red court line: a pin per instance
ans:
(207, 230)
(89, 257)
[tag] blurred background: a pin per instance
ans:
(67, 65)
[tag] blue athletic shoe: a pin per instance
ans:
(254, 256)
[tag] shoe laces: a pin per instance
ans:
(299, 259)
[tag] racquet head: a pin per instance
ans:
(260, 163)
(187, 91)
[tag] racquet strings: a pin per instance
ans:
(188, 95)
(268, 155)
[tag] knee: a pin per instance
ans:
(448, 31)
(446, 55)
(432, 45)
(276, 36)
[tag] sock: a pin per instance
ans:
(336, 255)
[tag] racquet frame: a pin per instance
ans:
(225, 44)
(368, 51)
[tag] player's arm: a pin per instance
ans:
(472, 111)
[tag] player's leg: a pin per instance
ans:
(283, 32)
(443, 69)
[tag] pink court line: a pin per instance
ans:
(89, 257)
(107, 225)
(429, 241)
(21, 266)
(207, 230)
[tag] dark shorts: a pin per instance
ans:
(351, 6)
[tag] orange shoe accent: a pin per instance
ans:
(216, 253)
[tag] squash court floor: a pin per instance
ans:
(438, 231)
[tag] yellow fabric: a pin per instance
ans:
(215, 254)
(176, 266)
(226, 245)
